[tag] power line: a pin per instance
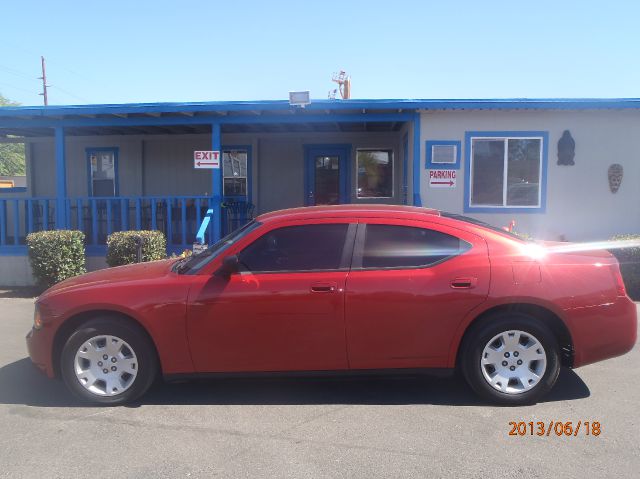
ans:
(16, 87)
(16, 46)
(15, 72)
(70, 94)
(79, 75)
(24, 75)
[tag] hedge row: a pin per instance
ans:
(59, 254)
(56, 255)
(122, 247)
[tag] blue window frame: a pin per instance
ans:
(443, 154)
(505, 171)
(102, 172)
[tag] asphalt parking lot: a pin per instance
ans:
(365, 427)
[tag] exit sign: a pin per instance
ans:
(206, 159)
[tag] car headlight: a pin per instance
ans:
(37, 317)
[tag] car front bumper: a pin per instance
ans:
(39, 342)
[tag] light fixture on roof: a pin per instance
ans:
(299, 98)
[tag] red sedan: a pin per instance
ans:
(346, 289)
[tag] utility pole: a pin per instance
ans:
(44, 82)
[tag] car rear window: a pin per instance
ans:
(476, 222)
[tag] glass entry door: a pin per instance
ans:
(327, 177)
(326, 190)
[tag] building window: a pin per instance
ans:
(506, 171)
(234, 171)
(13, 168)
(103, 171)
(443, 154)
(375, 173)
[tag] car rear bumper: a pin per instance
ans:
(39, 348)
(604, 331)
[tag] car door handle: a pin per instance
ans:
(464, 283)
(324, 288)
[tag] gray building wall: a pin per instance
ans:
(281, 165)
(580, 205)
(157, 165)
(168, 166)
(43, 164)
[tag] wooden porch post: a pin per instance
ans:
(61, 179)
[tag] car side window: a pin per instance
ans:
(296, 248)
(394, 246)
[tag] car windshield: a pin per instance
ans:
(194, 263)
(474, 221)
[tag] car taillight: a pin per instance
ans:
(617, 277)
(37, 318)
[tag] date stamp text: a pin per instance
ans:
(555, 428)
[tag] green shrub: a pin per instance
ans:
(629, 259)
(121, 247)
(56, 255)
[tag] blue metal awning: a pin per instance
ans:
(267, 115)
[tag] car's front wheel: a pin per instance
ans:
(511, 358)
(108, 361)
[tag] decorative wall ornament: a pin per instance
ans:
(615, 177)
(566, 149)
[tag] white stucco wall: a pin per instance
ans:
(579, 204)
(15, 271)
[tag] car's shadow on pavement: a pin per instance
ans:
(21, 383)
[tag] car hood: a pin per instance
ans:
(130, 272)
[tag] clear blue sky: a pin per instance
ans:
(145, 51)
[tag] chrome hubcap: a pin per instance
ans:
(513, 362)
(106, 365)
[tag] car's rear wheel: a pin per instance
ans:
(510, 358)
(108, 361)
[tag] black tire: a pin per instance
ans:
(147, 364)
(478, 337)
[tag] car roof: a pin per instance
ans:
(339, 211)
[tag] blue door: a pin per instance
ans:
(327, 177)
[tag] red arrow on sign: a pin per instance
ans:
(200, 163)
(450, 183)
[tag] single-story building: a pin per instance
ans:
(561, 169)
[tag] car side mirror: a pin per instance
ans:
(230, 265)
